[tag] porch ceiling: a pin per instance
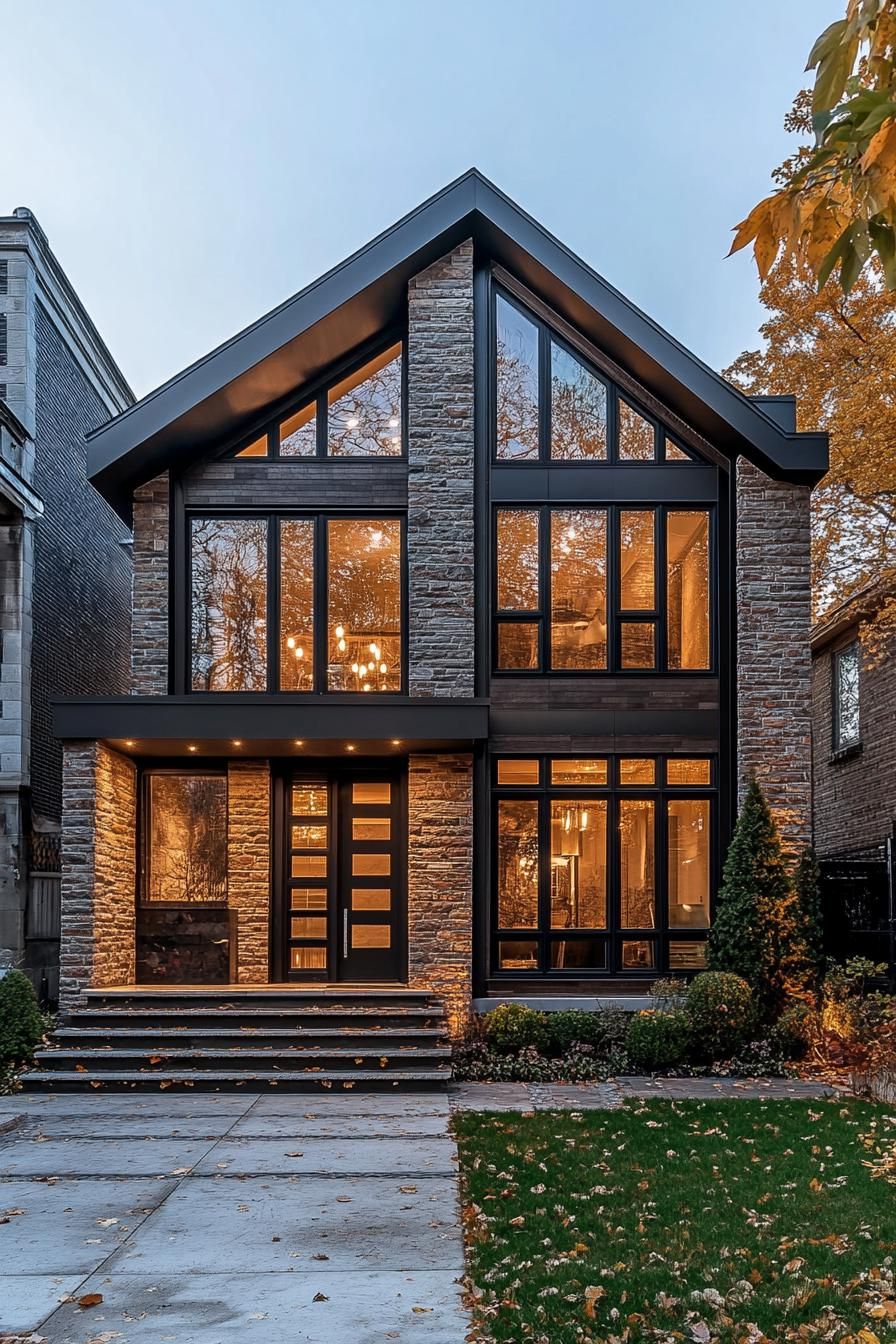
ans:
(281, 725)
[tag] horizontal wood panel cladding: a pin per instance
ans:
(605, 693)
(313, 484)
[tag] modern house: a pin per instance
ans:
(854, 773)
(465, 599)
(64, 572)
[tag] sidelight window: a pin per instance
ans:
(296, 604)
(597, 589)
(602, 863)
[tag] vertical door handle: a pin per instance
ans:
(345, 932)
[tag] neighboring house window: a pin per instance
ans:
(3, 344)
(4, 277)
(581, 590)
(602, 864)
(331, 620)
(846, 697)
(185, 857)
(550, 405)
(358, 415)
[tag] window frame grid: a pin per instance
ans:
(615, 933)
(839, 747)
(183, 641)
(546, 333)
(616, 614)
(316, 391)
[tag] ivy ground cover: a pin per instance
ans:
(682, 1221)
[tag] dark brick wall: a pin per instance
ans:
(81, 572)
(855, 794)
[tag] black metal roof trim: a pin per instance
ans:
(230, 387)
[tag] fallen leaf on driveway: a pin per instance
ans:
(295, 1154)
(343, 1199)
(320, 1297)
(320, 1256)
(408, 1189)
(421, 1311)
(90, 1300)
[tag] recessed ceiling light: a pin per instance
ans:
(192, 748)
(299, 742)
(237, 742)
(349, 747)
(396, 741)
(130, 742)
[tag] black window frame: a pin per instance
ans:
(273, 519)
(546, 333)
(617, 616)
(660, 793)
(215, 769)
(839, 744)
(317, 391)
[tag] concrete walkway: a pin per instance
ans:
(606, 1096)
(213, 1218)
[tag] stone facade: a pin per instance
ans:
(774, 728)
(249, 865)
(441, 549)
(98, 870)
(440, 879)
(855, 790)
(149, 594)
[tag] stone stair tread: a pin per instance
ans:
(49, 1078)
(233, 1033)
(329, 1010)
(193, 1052)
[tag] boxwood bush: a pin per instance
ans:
(512, 1027)
(21, 1025)
(658, 1040)
(721, 1011)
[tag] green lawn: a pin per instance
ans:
(693, 1221)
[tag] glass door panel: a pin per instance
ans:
(370, 895)
(309, 878)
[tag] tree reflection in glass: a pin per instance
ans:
(578, 409)
(296, 604)
(578, 588)
(364, 417)
(364, 604)
(228, 604)
(518, 864)
(518, 560)
(516, 383)
(187, 841)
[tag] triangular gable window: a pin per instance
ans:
(360, 415)
(551, 405)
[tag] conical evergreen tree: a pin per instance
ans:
(800, 930)
(744, 937)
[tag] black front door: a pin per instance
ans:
(344, 907)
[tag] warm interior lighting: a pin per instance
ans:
(192, 748)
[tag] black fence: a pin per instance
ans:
(858, 903)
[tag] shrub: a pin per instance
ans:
(603, 1031)
(658, 1040)
(21, 1025)
(744, 938)
(790, 1034)
(475, 1061)
(721, 1011)
(801, 930)
(512, 1027)
(669, 992)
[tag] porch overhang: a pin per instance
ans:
(272, 725)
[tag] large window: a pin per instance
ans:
(846, 663)
(358, 415)
(602, 589)
(551, 405)
(296, 604)
(601, 864)
(185, 839)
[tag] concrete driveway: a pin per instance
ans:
(209, 1218)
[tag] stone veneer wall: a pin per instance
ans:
(774, 727)
(440, 477)
(149, 618)
(99, 829)
(249, 865)
(440, 880)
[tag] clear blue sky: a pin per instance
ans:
(195, 162)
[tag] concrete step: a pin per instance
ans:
(241, 1058)
(274, 998)
(188, 1036)
(229, 1081)
(151, 1016)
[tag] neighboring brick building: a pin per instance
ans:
(64, 571)
(465, 600)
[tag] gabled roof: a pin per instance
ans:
(223, 393)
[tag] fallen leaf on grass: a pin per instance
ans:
(593, 1294)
